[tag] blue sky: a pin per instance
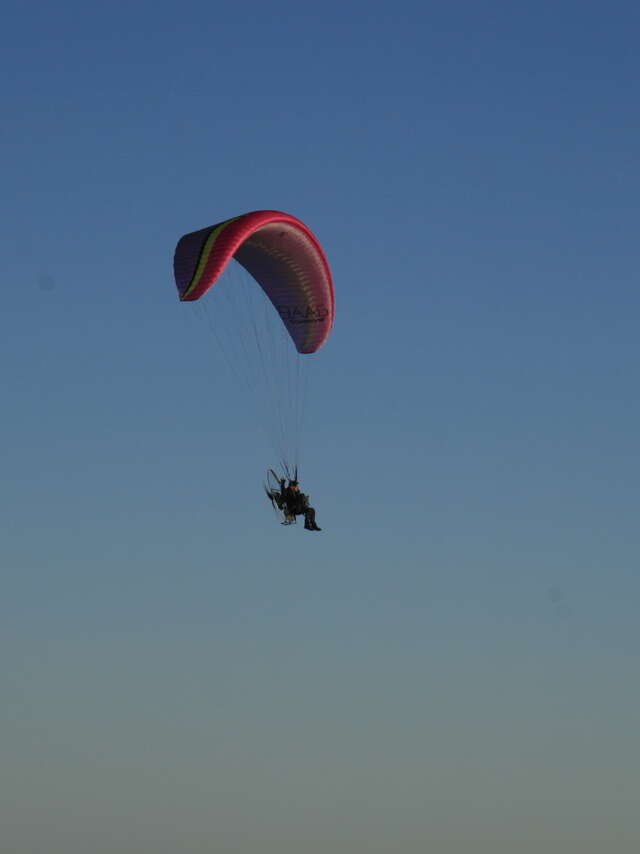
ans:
(451, 665)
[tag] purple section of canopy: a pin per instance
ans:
(293, 274)
(186, 257)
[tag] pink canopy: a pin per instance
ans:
(283, 256)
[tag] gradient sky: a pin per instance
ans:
(452, 665)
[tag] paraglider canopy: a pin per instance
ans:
(283, 256)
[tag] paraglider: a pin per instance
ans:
(290, 501)
(283, 309)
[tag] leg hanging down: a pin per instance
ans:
(310, 520)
